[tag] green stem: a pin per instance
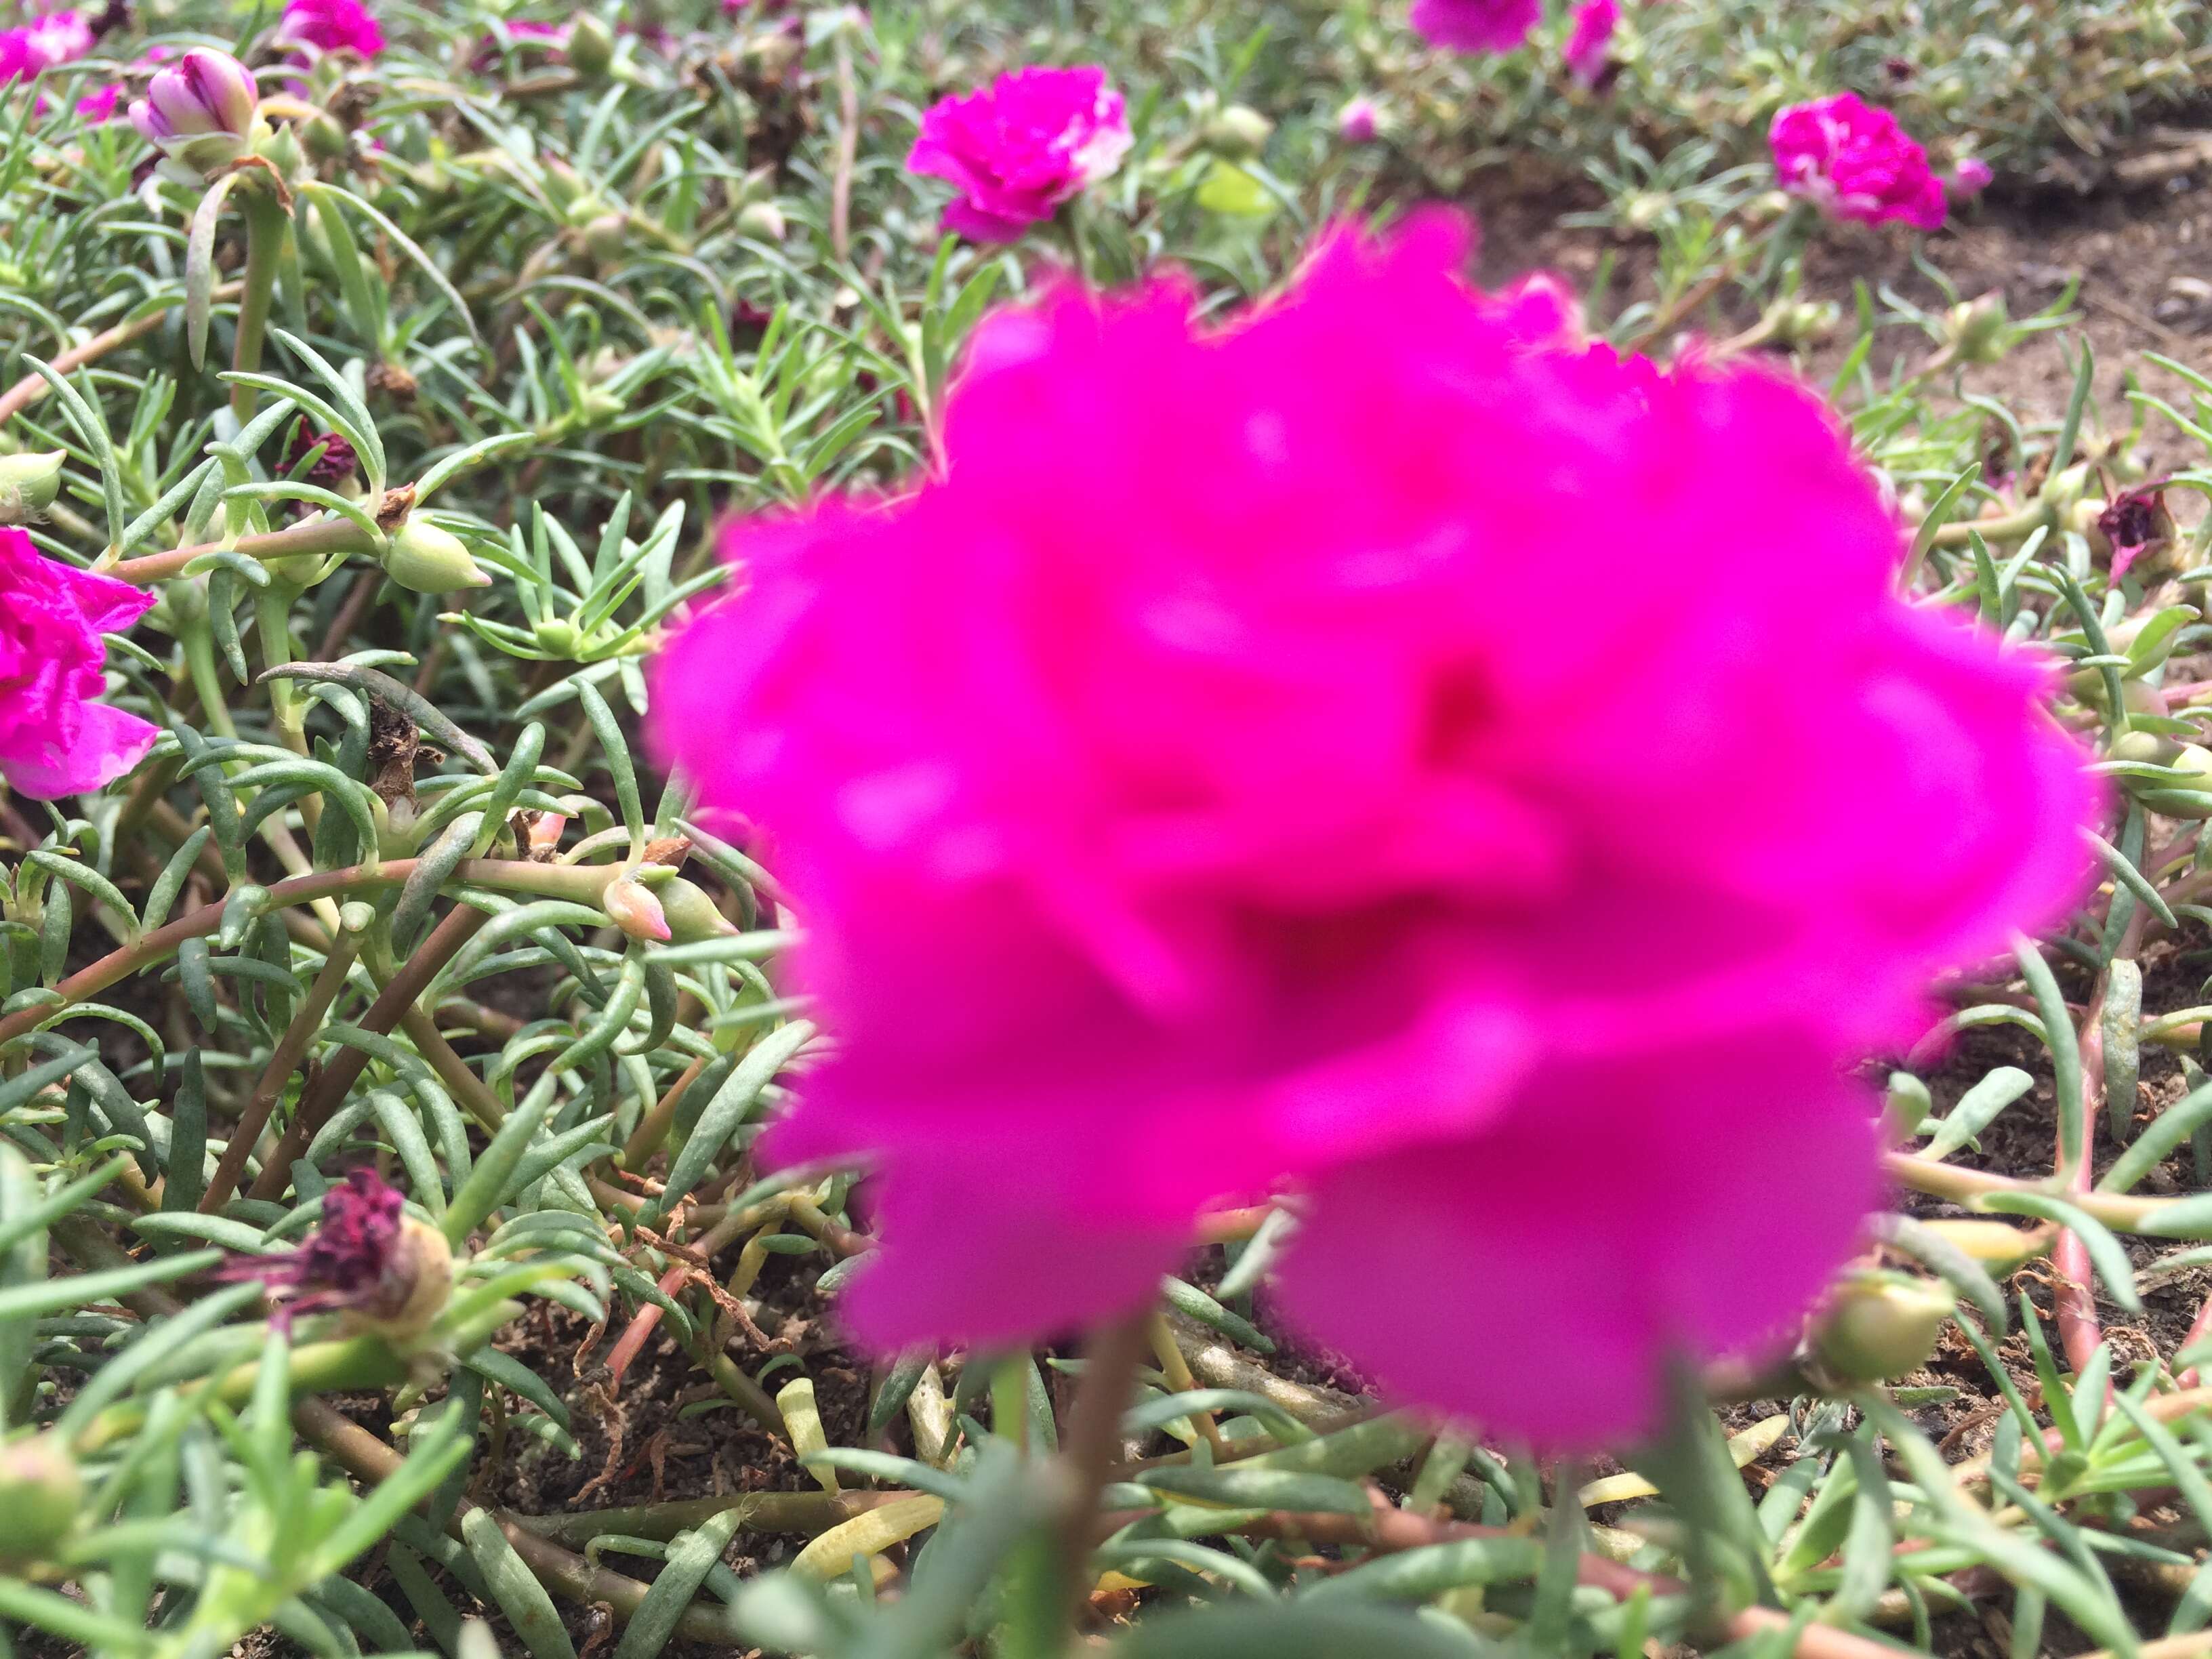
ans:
(267, 224)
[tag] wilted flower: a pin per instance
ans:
(1014, 151)
(334, 466)
(200, 111)
(2133, 523)
(1854, 161)
(366, 1258)
(1358, 122)
(1476, 25)
(332, 26)
(1207, 722)
(30, 49)
(56, 738)
(1586, 55)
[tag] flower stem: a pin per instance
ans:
(267, 224)
(1093, 1441)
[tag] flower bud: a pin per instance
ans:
(591, 48)
(545, 830)
(607, 236)
(1239, 133)
(1977, 329)
(1881, 1325)
(424, 559)
(40, 1496)
(692, 916)
(414, 1286)
(28, 484)
(1968, 178)
(632, 906)
(1358, 122)
(325, 140)
(2145, 748)
(200, 111)
(763, 222)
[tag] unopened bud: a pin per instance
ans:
(607, 236)
(424, 559)
(1881, 1325)
(692, 914)
(1978, 329)
(325, 140)
(41, 1493)
(1358, 122)
(1237, 133)
(200, 111)
(28, 484)
(545, 831)
(2145, 748)
(633, 906)
(591, 47)
(763, 222)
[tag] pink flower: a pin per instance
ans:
(1586, 54)
(1969, 178)
(201, 111)
(1358, 122)
(1207, 752)
(56, 738)
(99, 107)
(1855, 162)
(1014, 152)
(1476, 25)
(28, 51)
(332, 25)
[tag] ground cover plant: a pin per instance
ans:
(1181, 828)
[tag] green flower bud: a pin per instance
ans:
(591, 47)
(1239, 132)
(325, 138)
(1906, 1105)
(763, 221)
(1881, 1325)
(691, 914)
(607, 236)
(424, 559)
(1978, 329)
(41, 1494)
(28, 484)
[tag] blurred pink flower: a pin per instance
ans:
(1209, 753)
(32, 48)
(1586, 54)
(1969, 178)
(1357, 122)
(1855, 162)
(56, 738)
(1476, 25)
(1014, 151)
(332, 26)
(99, 107)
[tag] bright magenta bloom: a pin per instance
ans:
(1476, 25)
(332, 25)
(56, 738)
(1586, 54)
(1212, 780)
(29, 50)
(1855, 162)
(1031, 140)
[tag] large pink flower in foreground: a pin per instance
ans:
(1019, 148)
(56, 738)
(1386, 745)
(1476, 25)
(1855, 162)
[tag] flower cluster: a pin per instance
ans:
(1854, 161)
(1019, 148)
(1200, 751)
(56, 738)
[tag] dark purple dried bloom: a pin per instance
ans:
(335, 465)
(2135, 522)
(352, 1261)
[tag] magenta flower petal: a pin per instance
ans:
(1855, 162)
(333, 26)
(1542, 1275)
(1476, 25)
(1201, 747)
(1014, 151)
(56, 738)
(1586, 54)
